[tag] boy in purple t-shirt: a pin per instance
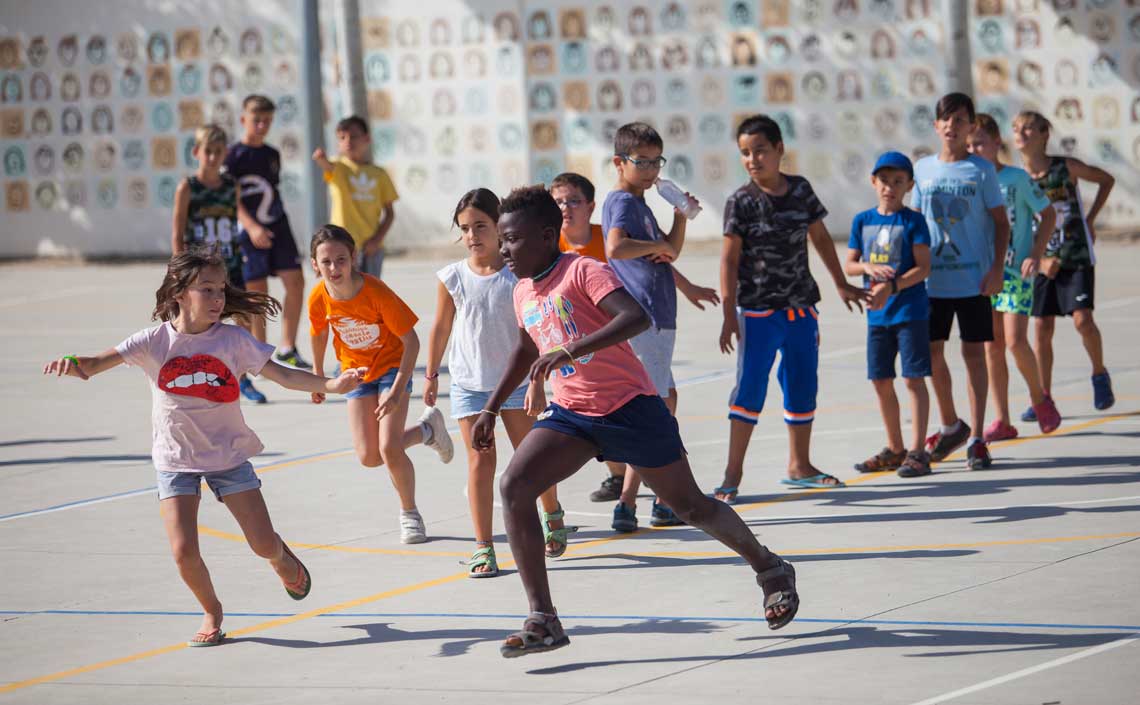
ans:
(575, 319)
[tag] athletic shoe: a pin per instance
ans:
(249, 392)
(885, 459)
(412, 529)
(1048, 418)
(609, 490)
(292, 357)
(978, 456)
(1030, 414)
(1103, 398)
(999, 431)
(941, 445)
(663, 516)
(440, 441)
(917, 464)
(625, 521)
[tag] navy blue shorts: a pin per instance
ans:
(909, 340)
(642, 432)
(280, 257)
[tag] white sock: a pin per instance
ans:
(429, 434)
(974, 440)
(946, 430)
(410, 512)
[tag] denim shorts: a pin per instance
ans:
(642, 432)
(909, 340)
(654, 347)
(377, 386)
(465, 402)
(222, 483)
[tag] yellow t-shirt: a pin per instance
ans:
(359, 193)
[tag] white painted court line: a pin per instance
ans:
(945, 697)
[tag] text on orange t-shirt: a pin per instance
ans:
(366, 328)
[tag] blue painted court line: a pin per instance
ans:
(610, 617)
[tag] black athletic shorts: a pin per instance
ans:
(975, 319)
(1070, 290)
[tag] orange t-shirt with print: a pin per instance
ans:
(595, 248)
(366, 328)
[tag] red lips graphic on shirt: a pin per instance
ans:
(202, 376)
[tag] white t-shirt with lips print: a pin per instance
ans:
(196, 418)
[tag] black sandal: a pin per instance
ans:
(530, 641)
(781, 598)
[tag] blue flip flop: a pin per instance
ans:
(813, 482)
(732, 492)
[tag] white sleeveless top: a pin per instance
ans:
(485, 330)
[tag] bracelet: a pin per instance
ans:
(894, 286)
(74, 359)
(488, 411)
(432, 376)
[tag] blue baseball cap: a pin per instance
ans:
(894, 160)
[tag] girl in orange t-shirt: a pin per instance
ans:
(373, 328)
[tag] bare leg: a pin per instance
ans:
(997, 369)
(294, 281)
(180, 517)
(974, 355)
(517, 425)
(1017, 341)
(739, 433)
(257, 323)
(543, 459)
(480, 483)
(616, 469)
(252, 516)
(920, 408)
(799, 461)
(1090, 336)
(942, 383)
(674, 484)
(889, 408)
(1044, 350)
(394, 439)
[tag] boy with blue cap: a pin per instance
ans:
(890, 248)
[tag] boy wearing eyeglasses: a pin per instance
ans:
(641, 255)
(769, 300)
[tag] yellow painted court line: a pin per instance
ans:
(303, 461)
(576, 548)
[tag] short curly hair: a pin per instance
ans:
(537, 202)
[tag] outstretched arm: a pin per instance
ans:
(821, 241)
(302, 381)
(322, 160)
(84, 367)
(694, 293)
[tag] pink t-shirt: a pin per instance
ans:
(562, 307)
(196, 418)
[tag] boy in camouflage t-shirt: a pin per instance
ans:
(769, 300)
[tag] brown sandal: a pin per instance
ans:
(298, 589)
(529, 641)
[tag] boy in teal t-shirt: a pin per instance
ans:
(1026, 204)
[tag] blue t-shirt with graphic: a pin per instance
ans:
(956, 197)
(650, 284)
(890, 240)
(258, 171)
(1024, 199)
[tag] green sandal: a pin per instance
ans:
(558, 536)
(484, 556)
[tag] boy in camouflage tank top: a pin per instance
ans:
(1065, 286)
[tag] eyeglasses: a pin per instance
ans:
(569, 202)
(644, 164)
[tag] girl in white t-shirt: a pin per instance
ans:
(194, 362)
(475, 303)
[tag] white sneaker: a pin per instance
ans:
(440, 438)
(412, 529)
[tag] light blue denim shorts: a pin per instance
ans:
(465, 402)
(222, 483)
(377, 386)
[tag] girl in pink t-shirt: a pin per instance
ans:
(193, 362)
(575, 319)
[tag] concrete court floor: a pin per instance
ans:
(1015, 585)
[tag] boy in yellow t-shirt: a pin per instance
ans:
(362, 194)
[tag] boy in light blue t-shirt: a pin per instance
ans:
(958, 193)
(890, 248)
(1025, 203)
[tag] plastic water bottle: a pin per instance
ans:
(677, 198)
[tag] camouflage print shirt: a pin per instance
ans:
(773, 271)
